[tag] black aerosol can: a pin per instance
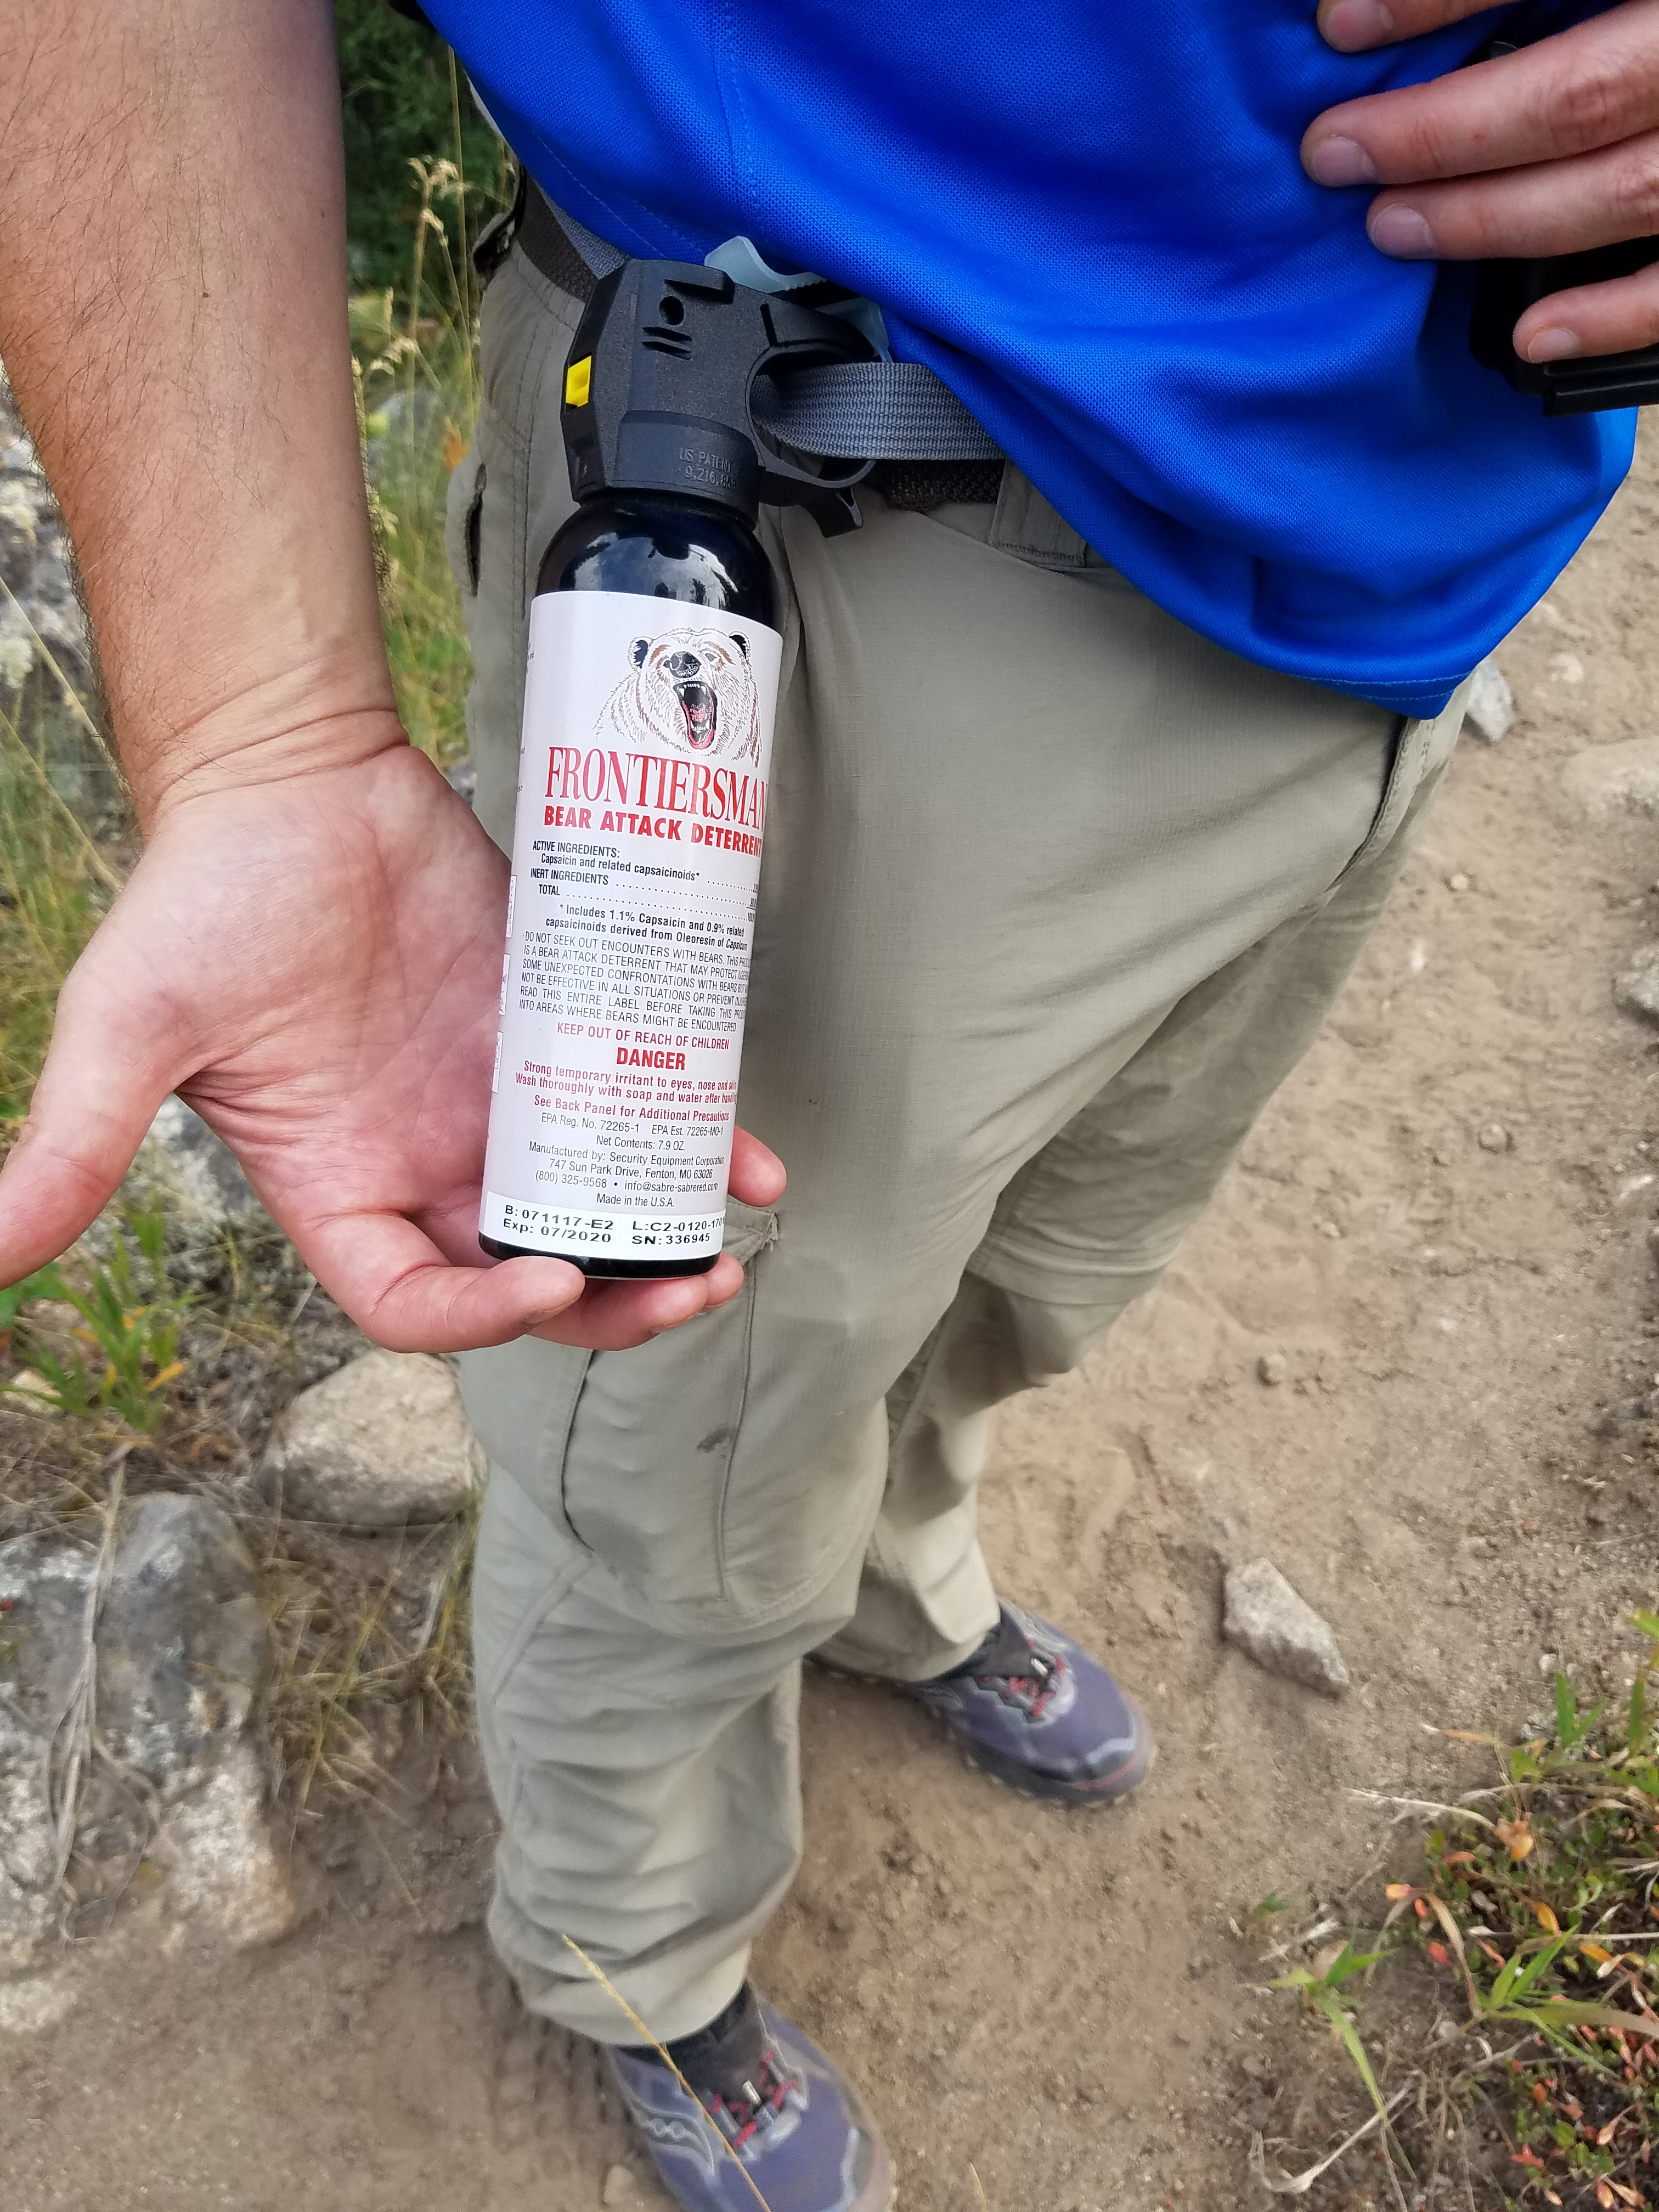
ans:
(643, 771)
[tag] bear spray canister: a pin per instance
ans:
(644, 769)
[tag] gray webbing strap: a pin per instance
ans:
(882, 410)
(870, 411)
(598, 252)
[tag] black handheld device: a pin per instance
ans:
(1585, 383)
(1503, 290)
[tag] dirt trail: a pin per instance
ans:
(1060, 2001)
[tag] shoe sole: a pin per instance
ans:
(879, 2203)
(1075, 1797)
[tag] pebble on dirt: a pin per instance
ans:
(1495, 1137)
(33, 1393)
(1490, 713)
(382, 1444)
(1636, 987)
(178, 1783)
(1273, 1369)
(1279, 1631)
(1617, 779)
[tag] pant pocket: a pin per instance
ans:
(465, 503)
(721, 1516)
(521, 1399)
(1421, 749)
(649, 1447)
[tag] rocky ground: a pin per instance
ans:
(1407, 1362)
(41, 625)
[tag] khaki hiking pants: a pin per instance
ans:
(1054, 894)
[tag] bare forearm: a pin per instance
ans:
(173, 319)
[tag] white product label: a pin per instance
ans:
(636, 848)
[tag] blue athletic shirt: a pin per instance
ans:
(1090, 219)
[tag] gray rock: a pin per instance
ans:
(1607, 780)
(18, 649)
(1490, 712)
(44, 1585)
(18, 533)
(1636, 987)
(177, 1784)
(205, 1173)
(195, 1178)
(58, 624)
(39, 615)
(52, 583)
(181, 1639)
(382, 1444)
(1279, 1631)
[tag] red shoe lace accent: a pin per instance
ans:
(1032, 1693)
(740, 2119)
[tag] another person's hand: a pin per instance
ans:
(1549, 150)
(314, 962)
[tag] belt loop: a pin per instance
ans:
(1026, 525)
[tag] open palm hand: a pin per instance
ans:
(315, 963)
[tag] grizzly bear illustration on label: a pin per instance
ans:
(690, 691)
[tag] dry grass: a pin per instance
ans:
(56, 882)
(371, 1638)
(419, 380)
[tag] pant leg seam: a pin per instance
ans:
(751, 1295)
(1103, 1270)
(563, 1582)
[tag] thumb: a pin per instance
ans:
(103, 1081)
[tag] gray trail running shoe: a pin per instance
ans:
(1035, 1709)
(766, 2093)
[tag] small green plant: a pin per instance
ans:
(1323, 1992)
(125, 1352)
(1537, 1900)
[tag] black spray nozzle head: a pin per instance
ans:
(659, 385)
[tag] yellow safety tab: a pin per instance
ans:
(578, 379)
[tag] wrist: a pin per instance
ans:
(272, 733)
